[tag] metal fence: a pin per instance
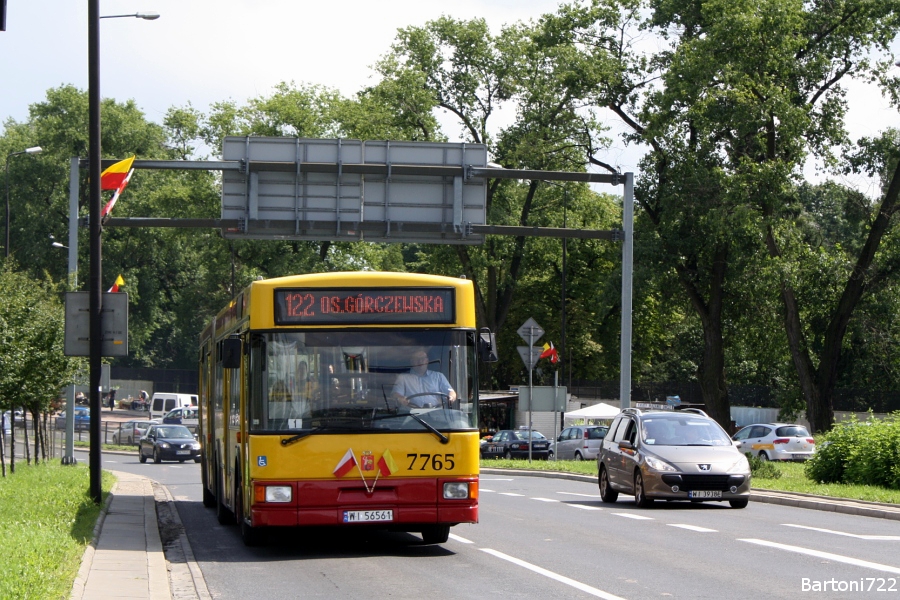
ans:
(849, 400)
(55, 440)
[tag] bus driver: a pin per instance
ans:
(421, 388)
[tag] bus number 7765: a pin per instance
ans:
(437, 461)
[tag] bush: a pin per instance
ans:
(762, 469)
(866, 453)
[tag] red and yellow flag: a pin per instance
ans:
(386, 464)
(550, 352)
(114, 175)
(115, 287)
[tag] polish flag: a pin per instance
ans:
(346, 465)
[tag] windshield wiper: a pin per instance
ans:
(444, 439)
(302, 434)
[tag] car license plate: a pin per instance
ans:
(540, 446)
(800, 456)
(182, 452)
(368, 516)
(702, 494)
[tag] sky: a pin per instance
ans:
(205, 51)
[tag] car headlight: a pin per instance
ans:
(196, 445)
(657, 464)
(741, 465)
(164, 445)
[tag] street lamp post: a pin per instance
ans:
(94, 230)
(33, 150)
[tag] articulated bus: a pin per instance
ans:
(310, 414)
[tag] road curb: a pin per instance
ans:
(185, 577)
(798, 500)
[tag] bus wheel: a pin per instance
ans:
(252, 536)
(209, 499)
(223, 515)
(436, 534)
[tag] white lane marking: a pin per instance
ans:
(634, 516)
(510, 494)
(890, 538)
(459, 539)
(692, 528)
(545, 499)
(577, 494)
(555, 576)
(586, 507)
(481, 489)
(826, 555)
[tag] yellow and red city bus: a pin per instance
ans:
(301, 420)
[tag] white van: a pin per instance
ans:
(163, 402)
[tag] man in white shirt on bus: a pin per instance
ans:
(421, 388)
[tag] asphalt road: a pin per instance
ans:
(552, 538)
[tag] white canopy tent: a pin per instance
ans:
(596, 411)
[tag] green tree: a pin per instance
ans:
(32, 340)
(730, 106)
(462, 69)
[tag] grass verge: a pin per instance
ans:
(792, 479)
(47, 519)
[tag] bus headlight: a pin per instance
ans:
(456, 490)
(278, 493)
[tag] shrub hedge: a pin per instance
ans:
(859, 452)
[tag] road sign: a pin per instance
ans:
(346, 190)
(530, 331)
(546, 398)
(530, 355)
(113, 324)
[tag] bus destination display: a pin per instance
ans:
(320, 306)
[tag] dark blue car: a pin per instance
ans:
(82, 418)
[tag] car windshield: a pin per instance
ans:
(524, 435)
(174, 433)
(597, 433)
(792, 431)
(683, 431)
(355, 380)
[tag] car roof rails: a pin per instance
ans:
(691, 409)
(632, 411)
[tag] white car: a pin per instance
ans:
(776, 441)
(187, 416)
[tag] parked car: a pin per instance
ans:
(513, 443)
(82, 418)
(131, 432)
(168, 442)
(581, 442)
(776, 441)
(187, 416)
(671, 455)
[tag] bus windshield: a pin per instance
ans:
(379, 381)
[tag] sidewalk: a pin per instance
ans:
(126, 559)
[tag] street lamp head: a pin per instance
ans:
(145, 16)
(58, 245)
(34, 150)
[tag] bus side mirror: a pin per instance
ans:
(231, 353)
(487, 346)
